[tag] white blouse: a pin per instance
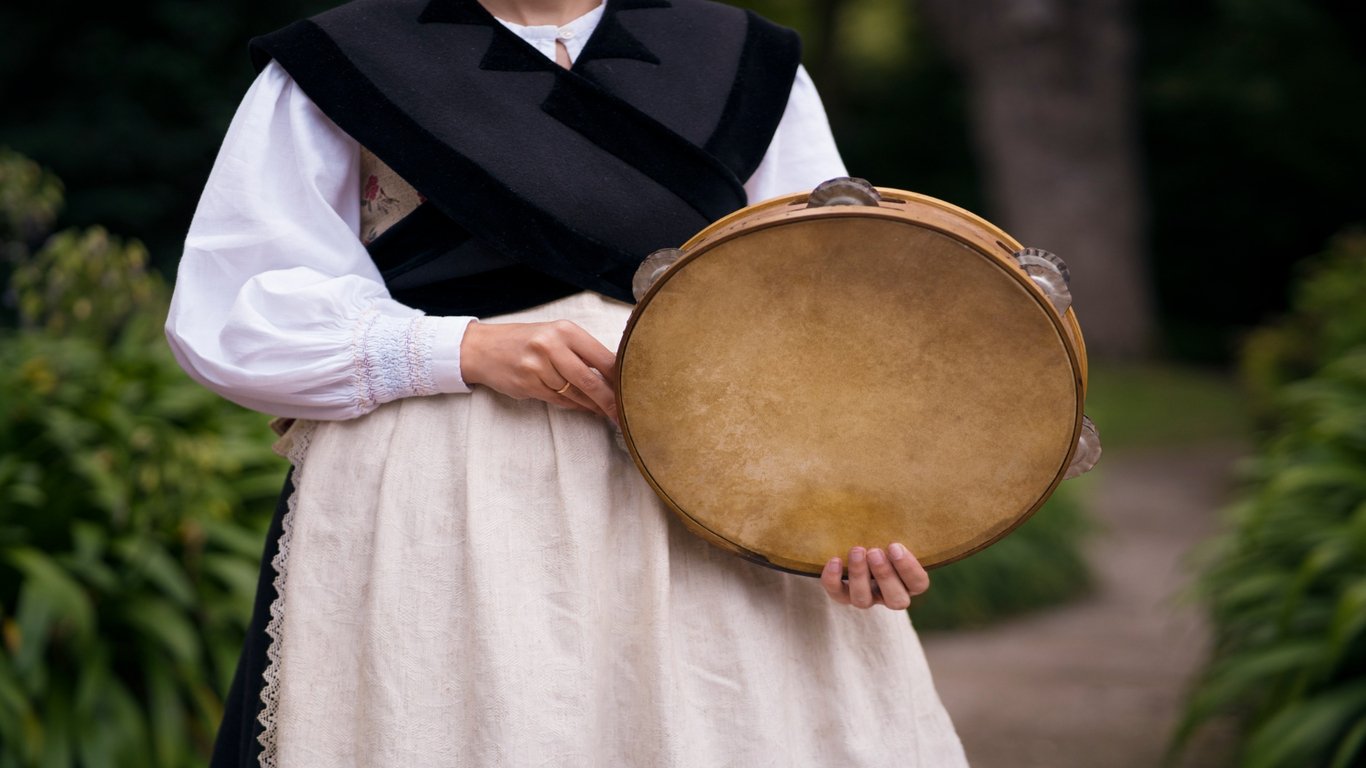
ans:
(277, 305)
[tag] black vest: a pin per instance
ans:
(541, 181)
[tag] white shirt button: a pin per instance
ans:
(567, 34)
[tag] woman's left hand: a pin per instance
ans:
(876, 577)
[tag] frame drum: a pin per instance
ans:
(853, 367)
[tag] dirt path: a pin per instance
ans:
(1099, 683)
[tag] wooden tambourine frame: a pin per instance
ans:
(811, 374)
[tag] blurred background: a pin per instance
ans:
(1200, 599)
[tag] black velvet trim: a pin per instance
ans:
(462, 189)
(457, 12)
(635, 138)
(510, 53)
(612, 41)
(424, 235)
(768, 65)
(497, 292)
(472, 12)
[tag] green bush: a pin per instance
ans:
(1329, 320)
(127, 565)
(1039, 564)
(1286, 585)
(30, 198)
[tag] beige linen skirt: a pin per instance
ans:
(472, 580)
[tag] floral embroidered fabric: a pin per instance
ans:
(385, 197)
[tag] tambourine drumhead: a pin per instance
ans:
(806, 380)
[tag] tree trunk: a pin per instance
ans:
(1052, 103)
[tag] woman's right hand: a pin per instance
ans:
(537, 360)
(888, 578)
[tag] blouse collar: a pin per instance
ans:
(573, 34)
(606, 36)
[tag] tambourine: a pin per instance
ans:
(853, 366)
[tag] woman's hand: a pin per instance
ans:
(896, 577)
(557, 362)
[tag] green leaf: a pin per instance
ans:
(147, 557)
(167, 717)
(109, 725)
(235, 538)
(58, 720)
(1304, 733)
(1238, 678)
(1349, 621)
(161, 622)
(239, 575)
(50, 602)
(1351, 747)
(1256, 589)
(18, 724)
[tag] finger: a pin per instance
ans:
(587, 381)
(912, 574)
(560, 353)
(832, 578)
(591, 351)
(563, 393)
(562, 389)
(877, 594)
(601, 397)
(566, 394)
(894, 594)
(860, 590)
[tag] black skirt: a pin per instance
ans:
(237, 745)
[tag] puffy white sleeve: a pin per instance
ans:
(277, 305)
(802, 153)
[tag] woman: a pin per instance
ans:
(465, 568)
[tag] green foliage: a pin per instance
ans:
(127, 571)
(1037, 565)
(1140, 406)
(1329, 321)
(1286, 585)
(88, 285)
(1254, 154)
(30, 197)
(132, 111)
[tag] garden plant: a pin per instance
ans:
(1286, 584)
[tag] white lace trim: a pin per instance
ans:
(392, 358)
(294, 445)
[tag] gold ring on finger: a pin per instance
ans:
(563, 389)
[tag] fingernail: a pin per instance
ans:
(875, 557)
(833, 564)
(897, 551)
(856, 555)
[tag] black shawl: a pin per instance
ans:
(541, 181)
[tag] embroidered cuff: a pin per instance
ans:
(392, 358)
